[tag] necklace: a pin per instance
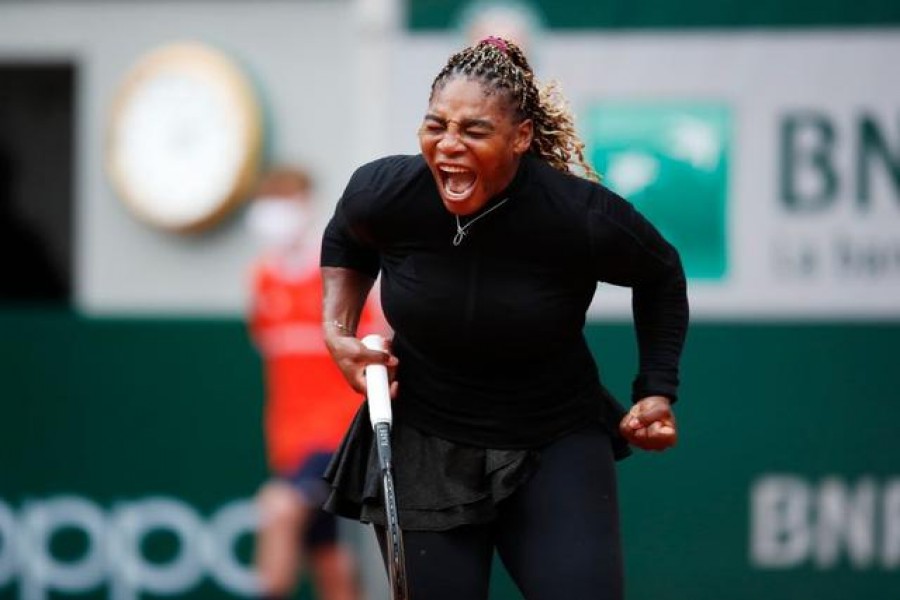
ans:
(461, 230)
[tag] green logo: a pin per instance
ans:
(671, 161)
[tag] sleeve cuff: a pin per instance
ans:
(655, 384)
(367, 265)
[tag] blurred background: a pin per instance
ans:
(762, 138)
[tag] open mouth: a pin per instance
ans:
(458, 183)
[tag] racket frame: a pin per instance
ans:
(396, 559)
(380, 414)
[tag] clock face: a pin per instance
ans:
(185, 137)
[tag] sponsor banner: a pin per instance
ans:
(661, 14)
(772, 160)
(130, 449)
(828, 523)
(70, 545)
(672, 161)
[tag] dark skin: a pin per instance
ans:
(470, 131)
(345, 292)
(650, 424)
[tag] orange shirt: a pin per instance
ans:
(309, 404)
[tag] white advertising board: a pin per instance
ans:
(771, 159)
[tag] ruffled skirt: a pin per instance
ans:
(439, 484)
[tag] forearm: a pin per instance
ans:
(661, 318)
(344, 295)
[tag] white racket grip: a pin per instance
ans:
(377, 387)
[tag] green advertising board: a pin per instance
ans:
(145, 433)
(671, 160)
(660, 14)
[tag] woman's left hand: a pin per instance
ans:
(650, 424)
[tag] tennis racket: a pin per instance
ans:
(379, 396)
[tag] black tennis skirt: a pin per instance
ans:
(440, 484)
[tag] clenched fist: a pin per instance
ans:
(650, 424)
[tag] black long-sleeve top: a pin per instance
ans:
(489, 333)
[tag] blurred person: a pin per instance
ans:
(308, 406)
(490, 245)
(514, 20)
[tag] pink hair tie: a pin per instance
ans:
(497, 42)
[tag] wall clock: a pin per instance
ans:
(184, 138)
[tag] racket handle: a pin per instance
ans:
(377, 387)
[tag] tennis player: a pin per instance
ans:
(490, 244)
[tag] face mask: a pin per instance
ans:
(276, 222)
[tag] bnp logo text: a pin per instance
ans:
(838, 186)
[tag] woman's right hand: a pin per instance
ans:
(351, 357)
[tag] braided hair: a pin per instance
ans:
(501, 67)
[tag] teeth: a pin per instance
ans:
(454, 177)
